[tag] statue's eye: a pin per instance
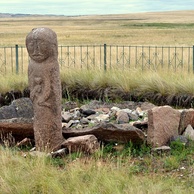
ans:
(31, 44)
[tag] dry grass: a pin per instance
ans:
(11, 82)
(103, 175)
(106, 174)
(158, 29)
(127, 29)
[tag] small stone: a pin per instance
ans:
(103, 110)
(33, 149)
(87, 112)
(92, 117)
(187, 117)
(84, 121)
(102, 118)
(189, 133)
(114, 108)
(126, 110)
(25, 142)
(76, 114)
(181, 138)
(72, 123)
(161, 150)
(139, 111)
(59, 153)
(122, 117)
(87, 144)
(66, 116)
(73, 110)
(141, 124)
(64, 125)
(133, 117)
(145, 106)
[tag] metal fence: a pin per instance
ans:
(105, 57)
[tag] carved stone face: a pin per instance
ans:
(39, 45)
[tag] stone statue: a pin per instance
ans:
(45, 87)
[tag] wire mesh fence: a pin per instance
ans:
(105, 57)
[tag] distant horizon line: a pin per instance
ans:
(36, 14)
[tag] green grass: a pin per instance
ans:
(107, 171)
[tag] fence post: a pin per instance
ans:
(193, 58)
(105, 57)
(16, 59)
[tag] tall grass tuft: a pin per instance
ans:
(11, 82)
(116, 83)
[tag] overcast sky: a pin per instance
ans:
(88, 7)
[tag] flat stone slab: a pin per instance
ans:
(87, 144)
(21, 107)
(109, 132)
(20, 128)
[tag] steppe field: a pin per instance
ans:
(158, 28)
(130, 169)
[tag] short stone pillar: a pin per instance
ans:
(45, 88)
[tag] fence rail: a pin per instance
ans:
(105, 57)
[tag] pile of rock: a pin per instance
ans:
(84, 127)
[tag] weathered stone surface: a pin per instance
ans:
(189, 133)
(133, 117)
(59, 153)
(102, 118)
(45, 87)
(108, 132)
(145, 106)
(26, 142)
(141, 124)
(8, 112)
(187, 117)
(21, 107)
(103, 109)
(66, 116)
(163, 123)
(180, 138)
(87, 112)
(161, 150)
(122, 117)
(20, 128)
(87, 144)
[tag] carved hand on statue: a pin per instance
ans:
(37, 88)
(41, 103)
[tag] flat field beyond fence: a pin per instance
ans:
(144, 38)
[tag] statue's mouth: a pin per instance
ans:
(37, 55)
